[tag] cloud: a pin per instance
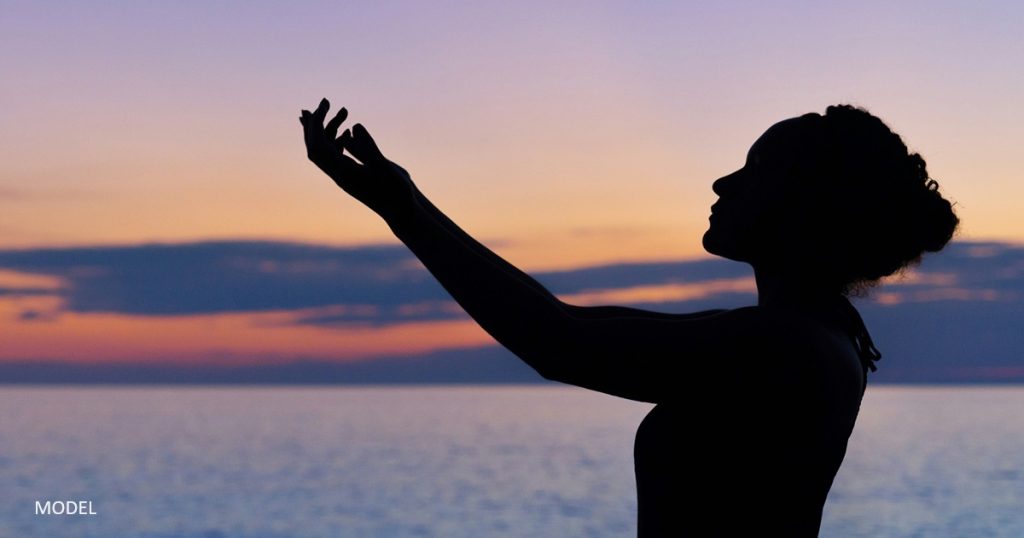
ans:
(28, 292)
(373, 315)
(956, 317)
(237, 276)
(36, 315)
(631, 275)
(323, 285)
(384, 284)
(969, 266)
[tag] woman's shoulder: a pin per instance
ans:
(779, 328)
(801, 342)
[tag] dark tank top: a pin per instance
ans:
(715, 464)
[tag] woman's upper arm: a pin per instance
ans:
(656, 357)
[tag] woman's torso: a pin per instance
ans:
(754, 458)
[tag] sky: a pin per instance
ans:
(567, 136)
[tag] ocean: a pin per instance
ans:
(453, 461)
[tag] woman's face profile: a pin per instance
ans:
(749, 199)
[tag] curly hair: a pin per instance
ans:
(872, 206)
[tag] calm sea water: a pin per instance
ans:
(456, 461)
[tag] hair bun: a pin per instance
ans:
(884, 210)
(939, 221)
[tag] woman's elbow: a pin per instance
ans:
(552, 374)
(539, 362)
(549, 364)
(549, 349)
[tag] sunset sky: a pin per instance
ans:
(563, 135)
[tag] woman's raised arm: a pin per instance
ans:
(511, 306)
(621, 351)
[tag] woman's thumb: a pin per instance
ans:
(363, 147)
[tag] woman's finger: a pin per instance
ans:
(342, 142)
(335, 123)
(315, 133)
(307, 132)
(321, 112)
(362, 145)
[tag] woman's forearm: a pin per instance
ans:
(507, 303)
(476, 246)
(583, 312)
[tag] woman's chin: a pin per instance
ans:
(708, 242)
(717, 245)
(712, 242)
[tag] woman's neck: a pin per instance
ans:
(784, 289)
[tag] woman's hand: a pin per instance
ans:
(380, 184)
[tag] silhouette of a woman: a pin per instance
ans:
(754, 405)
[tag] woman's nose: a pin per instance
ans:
(726, 185)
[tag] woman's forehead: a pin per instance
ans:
(787, 136)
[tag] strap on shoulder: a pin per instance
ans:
(858, 332)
